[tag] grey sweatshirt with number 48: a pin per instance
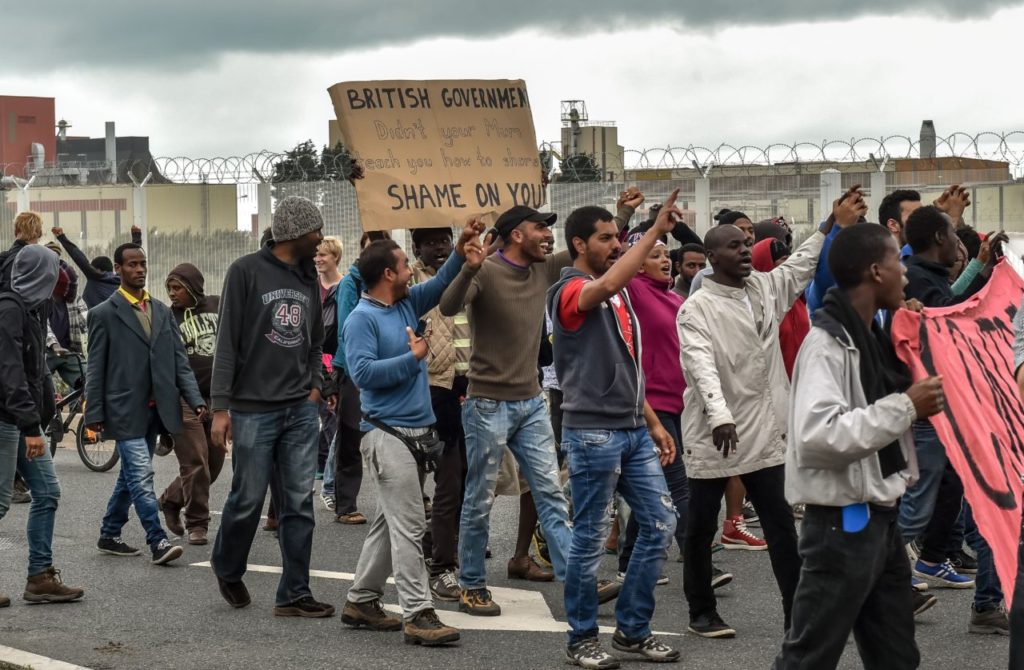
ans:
(270, 335)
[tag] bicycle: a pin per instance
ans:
(98, 454)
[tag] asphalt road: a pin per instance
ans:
(136, 615)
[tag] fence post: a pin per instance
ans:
(139, 217)
(264, 209)
(831, 189)
(24, 202)
(702, 202)
(878, 191)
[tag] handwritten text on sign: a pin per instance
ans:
(435, 153)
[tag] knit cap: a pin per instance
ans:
(294, 217)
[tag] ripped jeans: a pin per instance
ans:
(523, 425)
(601, 462)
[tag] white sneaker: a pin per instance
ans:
(328, 501)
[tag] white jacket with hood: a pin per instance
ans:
(835, 435)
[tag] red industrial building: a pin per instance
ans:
(24, 121)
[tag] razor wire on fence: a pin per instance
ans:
(272, 166)
(211, 210)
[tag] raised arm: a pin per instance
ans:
(462, 291)
(615, 279)
(791, 278)
(469, 251)
(77, 256)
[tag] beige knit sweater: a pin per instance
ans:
(505, 305)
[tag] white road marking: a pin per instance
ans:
(34, 661)
(521, 609)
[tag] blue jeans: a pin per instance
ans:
(525, 427)
(134, 487)
(918, 503)
(601, 462)
(988, 593)
(41, 479)
(276, 448)
(328, 487)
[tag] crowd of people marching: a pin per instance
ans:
(621, 389)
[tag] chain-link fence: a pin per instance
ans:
(211, 211)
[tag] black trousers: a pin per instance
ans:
(450, 476)
(348, 461)
(328, 427)
(765, 490)
(675, 478)
(851, 582)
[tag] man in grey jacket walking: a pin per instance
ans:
(849, 460)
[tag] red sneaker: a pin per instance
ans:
(736, 536)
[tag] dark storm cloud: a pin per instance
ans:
(189, 33)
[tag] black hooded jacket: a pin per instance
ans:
(198, 324)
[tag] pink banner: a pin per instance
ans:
(982, 428)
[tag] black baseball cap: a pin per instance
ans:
(508, 221)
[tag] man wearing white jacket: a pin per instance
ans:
(736, 403)
(850, 458)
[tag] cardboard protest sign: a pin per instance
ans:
(982, 427)
(435, 153)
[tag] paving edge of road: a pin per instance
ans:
(16, 659)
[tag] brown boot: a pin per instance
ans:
(5, 601)
(528, 569)
(47, 587)
(172, 519)
(197, 536)
(426, 629)
(369, 615)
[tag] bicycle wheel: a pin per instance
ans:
(98, 454)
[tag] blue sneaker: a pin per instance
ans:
(943, 575)
(918, 585)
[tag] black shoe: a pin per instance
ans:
(711, 625)
(305, 606)
(426, 629)
(923, 601)
(20, 494)
(115, 547)
(650, 647)
(719, 577)
(165, 552)
(589, 654)
(964, 563)
(234, 592)
(445, 586)
(607, 590)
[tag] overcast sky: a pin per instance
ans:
(227, 78)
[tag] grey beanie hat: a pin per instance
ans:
(294, 217)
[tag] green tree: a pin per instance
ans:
(578, 168)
